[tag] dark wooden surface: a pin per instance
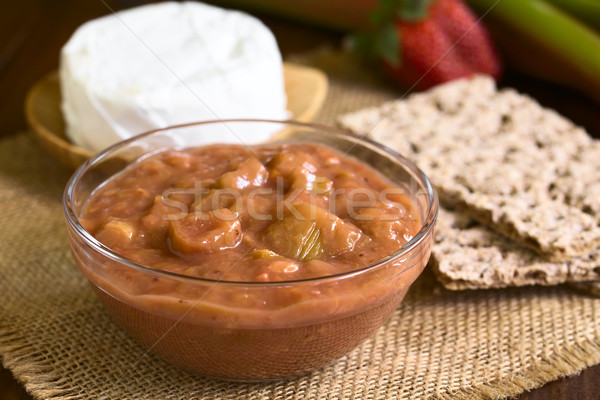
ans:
(32, 32)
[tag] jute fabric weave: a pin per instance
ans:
(57, 339)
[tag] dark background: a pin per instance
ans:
(33, 31)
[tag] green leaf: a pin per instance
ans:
(388, 45)
(384, 12)
(361, 43)
(413, 10)
(382, 41)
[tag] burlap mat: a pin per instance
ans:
(57, 339)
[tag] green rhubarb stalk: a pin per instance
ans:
(545, 41)
(587, 11)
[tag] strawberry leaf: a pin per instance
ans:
(361, 43)
(412, 10)
(385, 12)
(382, 40)
(387, 44)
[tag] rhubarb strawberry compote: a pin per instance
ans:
(270, 213)
(253, 263)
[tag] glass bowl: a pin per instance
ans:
(208, 326)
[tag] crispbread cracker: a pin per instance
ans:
(500, 157)
(468, 255)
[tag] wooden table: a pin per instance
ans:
(32, 32)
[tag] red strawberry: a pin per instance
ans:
(433, 43)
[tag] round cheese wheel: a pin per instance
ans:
(170, 63)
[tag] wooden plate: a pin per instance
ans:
(305, 88)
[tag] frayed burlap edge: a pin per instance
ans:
(29, 365)
(570, 362)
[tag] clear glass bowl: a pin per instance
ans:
(207, 326)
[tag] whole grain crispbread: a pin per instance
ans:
(501, 158)
(468, 255)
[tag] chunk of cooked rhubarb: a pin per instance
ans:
(116, 232)
(386, 224)
(307, 231)
(205, 232)
(250, 173)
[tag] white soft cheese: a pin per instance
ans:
(165, 64)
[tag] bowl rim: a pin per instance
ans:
(427, 228)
